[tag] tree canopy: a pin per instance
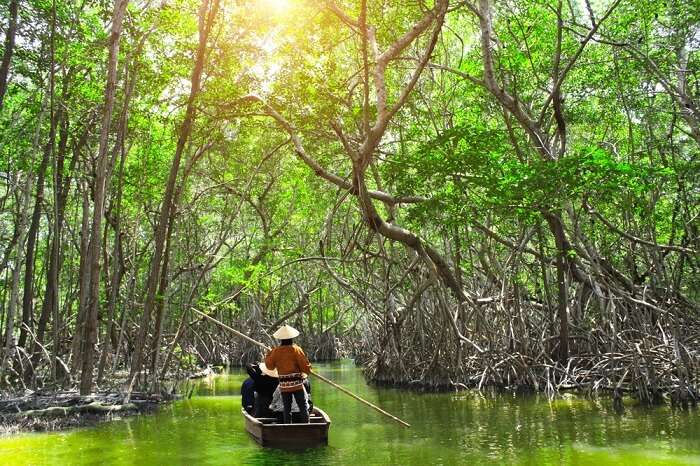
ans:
(455, 193)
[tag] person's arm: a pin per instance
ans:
(302, 361)
(270, 360)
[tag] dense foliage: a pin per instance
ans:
(456, 193)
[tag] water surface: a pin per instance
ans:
(448, 428)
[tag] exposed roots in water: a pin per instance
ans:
(648, 352)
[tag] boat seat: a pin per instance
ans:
(313, 419)
(267, 420)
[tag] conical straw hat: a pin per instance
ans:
(286, 332)
(268, 372)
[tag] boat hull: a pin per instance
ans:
(269, 433)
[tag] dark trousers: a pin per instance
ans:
(300, 398)
(262, 406)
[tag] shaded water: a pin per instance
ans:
(448, 428)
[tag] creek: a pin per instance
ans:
(447, 428)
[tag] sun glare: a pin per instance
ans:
(277, 6)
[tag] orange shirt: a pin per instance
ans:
(287, 359)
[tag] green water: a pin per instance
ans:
(456, 428)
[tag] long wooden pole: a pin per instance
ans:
(319, 376)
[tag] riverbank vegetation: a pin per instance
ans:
(457, 194)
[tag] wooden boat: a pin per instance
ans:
(269, 432)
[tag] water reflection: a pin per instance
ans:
(448, 428)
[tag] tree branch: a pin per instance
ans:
(317, 168)
(667, 247)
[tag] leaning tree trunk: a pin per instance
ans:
(117, 267)
(101, 171)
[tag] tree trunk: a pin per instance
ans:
(101, 170)
(8, 49)
(28, 293)
(117, 271)
(79, 331)
(160, 306)
(117, 264)
(207, 13)
(56, 118)
(21, 235)
(563, 248)
(61, 188)
(14, 290)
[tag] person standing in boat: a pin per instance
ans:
(291, 364)
(277, 407)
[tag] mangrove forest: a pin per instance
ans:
(473, 196)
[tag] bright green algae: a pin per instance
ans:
(448, 428)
